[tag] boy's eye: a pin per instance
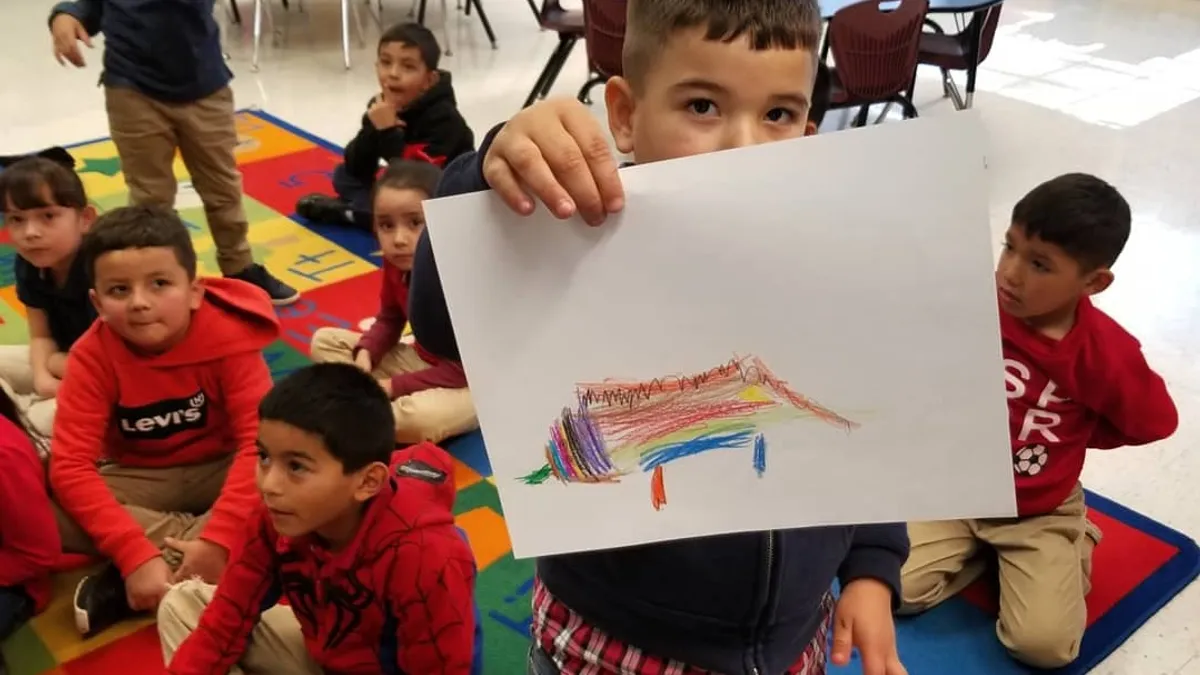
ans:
(702, 106)
(781, 115)
(296, 467)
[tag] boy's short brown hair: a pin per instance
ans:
(138, 227)
(769, 24)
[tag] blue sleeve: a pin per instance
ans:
(427, 311)
(89, 13)
(877, 552)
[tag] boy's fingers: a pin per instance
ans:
(531, 169)
(82, 34)
(591, 141)
(842, 642)
(504, 182)
(571, 169)
(895, 667)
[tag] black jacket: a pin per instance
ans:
(739, 603)
(433, 131)
(169, 50)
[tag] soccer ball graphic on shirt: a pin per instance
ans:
(1029, 460)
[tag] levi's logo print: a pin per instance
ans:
(162, 419)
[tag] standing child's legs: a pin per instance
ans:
(275, 646)
(943, 560)
(168, 502)
(1045, 574)
(429, 415)
(145, 137)
(207, 140)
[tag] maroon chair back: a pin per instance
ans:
(875, 51)
(604, 22)
(988, 35)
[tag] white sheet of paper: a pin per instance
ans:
(857, 266)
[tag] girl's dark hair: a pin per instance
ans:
(408, 174)
(23, 184)
(8, 408)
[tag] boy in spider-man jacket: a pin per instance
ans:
(1076, 380)
(377, 577)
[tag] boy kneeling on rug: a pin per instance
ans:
(361, 542)
(154, 440)
(430, 399)
(1075, 380)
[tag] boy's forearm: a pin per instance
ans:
(465, 174)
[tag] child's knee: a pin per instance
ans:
(329, 345)
(1042, 642)
(182, 606)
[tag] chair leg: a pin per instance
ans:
(585, 92)
(237, 13)
(861, 119)
(483, 18)
(546, 79)
(346, 32)
(258, 17)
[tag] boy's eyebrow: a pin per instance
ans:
(795, 98)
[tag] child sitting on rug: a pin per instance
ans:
(415, 116)
(751, 602)
(1075, 380)
(429, 395)
(29, 543)
(165, 389)
(47, 213)
(361, 543)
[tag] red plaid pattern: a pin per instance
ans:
(581, 649)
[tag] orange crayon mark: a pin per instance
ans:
(658, 492)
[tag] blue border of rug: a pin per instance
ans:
(945, 634)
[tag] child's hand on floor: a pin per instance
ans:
(201, 558)
(863, 620)
(68, 33)
(555, 152)
(145, 588)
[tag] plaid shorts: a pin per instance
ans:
(577, 648)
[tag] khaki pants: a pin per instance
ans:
(148, 132)
(1045, 567)
(430, 415)
(168, 502)
(16, 378)
(276, 645)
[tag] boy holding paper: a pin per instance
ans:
(743, 603)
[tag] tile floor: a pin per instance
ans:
(1106, 86)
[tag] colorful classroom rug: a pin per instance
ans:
(1138, 567)
(337, 270)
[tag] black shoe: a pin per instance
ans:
(281, 293)
(100, 601)
(324, 209)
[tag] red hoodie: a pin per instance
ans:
(386, 331)
(1092, 389)
(29, 542)
(195, 403)
(397, 599)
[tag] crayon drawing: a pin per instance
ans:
(621, 427)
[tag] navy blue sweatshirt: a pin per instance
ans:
(169, 50)
(739, 603)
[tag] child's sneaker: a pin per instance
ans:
(100, 601)
(325, 210)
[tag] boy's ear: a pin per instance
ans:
(1098, 281)
(197, 294)
(371, 480)
(618, 99)
(810, 128)
(96, 303)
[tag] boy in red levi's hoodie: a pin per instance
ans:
(164, 388)
(1075, 380)
(360, 541)
(430, 399)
